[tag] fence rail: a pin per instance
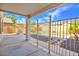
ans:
(64, 36)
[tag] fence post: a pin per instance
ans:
(49, 34)
(37, 32)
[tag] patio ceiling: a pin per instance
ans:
(27, 8)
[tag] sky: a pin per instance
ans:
(68, 10)
(61, 13)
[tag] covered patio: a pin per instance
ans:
(36, 41)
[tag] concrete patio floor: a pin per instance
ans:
(22, 49)
(18, 46)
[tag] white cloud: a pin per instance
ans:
(46, 18)
(77, 5)
(22, 20)
(39, 20)
(59, 10)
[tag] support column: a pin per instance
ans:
(1, 27)
(0, 24)
(28, 27)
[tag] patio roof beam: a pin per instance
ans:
(39, 8)
(50, 6)
(12, 12)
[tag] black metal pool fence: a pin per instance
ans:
(64, 35)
